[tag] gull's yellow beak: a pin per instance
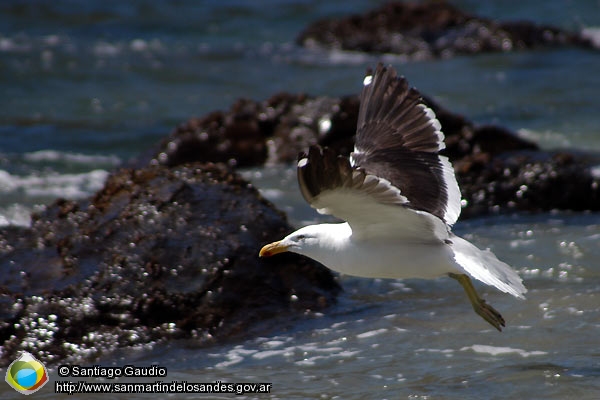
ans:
(273, 248)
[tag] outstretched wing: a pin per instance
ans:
(398, 139)
(371, 205)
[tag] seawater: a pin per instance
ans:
(88, 86)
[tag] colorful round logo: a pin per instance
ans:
(26, 374)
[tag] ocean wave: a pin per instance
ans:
(55, 49)
(15, 215)
(73, 158)
(500, 351)
(546, 138)
(592, 33)
(53, 184)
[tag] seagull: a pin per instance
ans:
(398, 197)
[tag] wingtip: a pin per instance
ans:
(381, 70)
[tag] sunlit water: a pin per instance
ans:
(88, 87)
(420, 339)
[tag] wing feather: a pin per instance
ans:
(398, 139)
(371, 205)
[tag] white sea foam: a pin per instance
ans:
(269, 353)
(302, 354)
(15, 214)
(271, 344)
(442, 351)
(69, 186)
(592, 33)
(235, 356)
(272, 194)
(545, 138)
(74, 158)
(497, 351)
(371, 333)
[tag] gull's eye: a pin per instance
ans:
(301, 237)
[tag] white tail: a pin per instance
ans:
(484, 266)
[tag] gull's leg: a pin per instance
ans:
(484, 310)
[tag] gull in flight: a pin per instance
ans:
(398, 197)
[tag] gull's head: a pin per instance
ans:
(302, 241)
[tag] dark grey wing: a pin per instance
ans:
(398, 139)
(372, 206)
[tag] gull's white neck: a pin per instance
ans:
(334, 240)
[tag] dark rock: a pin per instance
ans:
(157, 254)
(492, 163)
(236, 138)
(252, 133)
(431, 30)
(527, 181)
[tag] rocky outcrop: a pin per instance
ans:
(254, 133)
(493, 165)
(528, 181)
(427, 30)
(159, 253)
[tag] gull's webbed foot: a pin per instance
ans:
(483, 309)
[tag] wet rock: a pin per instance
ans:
(254, 133)
(430, 30)
(527, 181)
(158, 254)
(236, 137)
(493, 163)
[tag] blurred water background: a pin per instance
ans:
(87, 86)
